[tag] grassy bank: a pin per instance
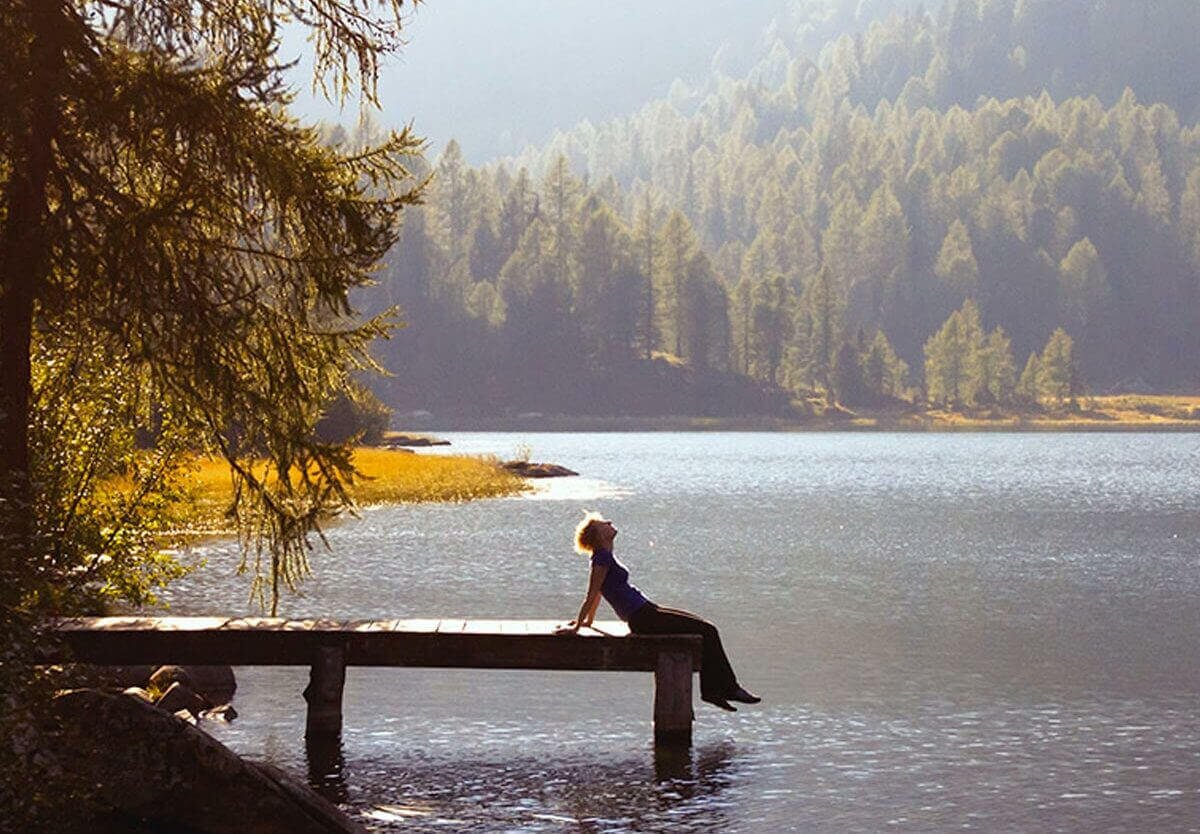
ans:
(389, 476)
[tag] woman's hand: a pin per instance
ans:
(570, 628)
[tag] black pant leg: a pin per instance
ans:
(717, 679)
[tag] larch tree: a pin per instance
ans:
(176, 260)
(1058, 379)
(956, 265)
(677, 246)
(821, 307)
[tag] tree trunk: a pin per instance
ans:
(24, 247)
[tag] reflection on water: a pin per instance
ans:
(969, 632)
(326, 759)
(681, 791)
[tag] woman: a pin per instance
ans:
(609, 578)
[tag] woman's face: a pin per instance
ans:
(606, 531)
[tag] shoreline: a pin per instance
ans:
(586, 424)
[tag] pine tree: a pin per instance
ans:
(822, 309)
(177, 257)
(1028, 390)
(884, 373)
(952, 358)
(997, 372)
(645, 244)
(677, 246)
(1083, 282)
(774, 320)
(848, 377)
(956, 264)
(1058, 379)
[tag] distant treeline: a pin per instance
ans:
(847, 208)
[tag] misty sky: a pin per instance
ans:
(498, 74)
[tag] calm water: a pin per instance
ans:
(984, 632)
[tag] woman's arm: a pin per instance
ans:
(587, 611)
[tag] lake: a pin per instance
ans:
(950, 631)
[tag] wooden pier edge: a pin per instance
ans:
(328, 646)
(326, 682)
(673, 714)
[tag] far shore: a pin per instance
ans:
(1110, 413)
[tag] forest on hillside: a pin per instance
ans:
(1018, 168)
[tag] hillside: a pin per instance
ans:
(821, 204)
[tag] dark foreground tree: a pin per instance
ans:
(176, 255)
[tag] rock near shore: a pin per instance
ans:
(151, 771)
(528, 469)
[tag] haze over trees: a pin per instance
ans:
(1037, 159)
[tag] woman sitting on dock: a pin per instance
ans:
(594, 538)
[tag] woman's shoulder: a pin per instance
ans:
(603, 558)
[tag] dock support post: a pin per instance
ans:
(326, 679)
(673, 699)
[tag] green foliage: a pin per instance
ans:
(956, 265)
(919, 166)
(1059, 377)
(997, 373)
(885, 375)
(951, 358)
(848, 385)
(354, 415)
(176, 260)
(1028, 389)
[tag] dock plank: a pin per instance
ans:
(483, 627)
(254, 624)
(416, 626)
(446, 643)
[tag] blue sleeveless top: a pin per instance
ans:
(623, 597)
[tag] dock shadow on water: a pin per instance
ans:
(326, 759)
(662, 790)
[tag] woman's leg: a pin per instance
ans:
(717, 680)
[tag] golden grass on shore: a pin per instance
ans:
(388, 476)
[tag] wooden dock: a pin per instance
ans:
(327, 647)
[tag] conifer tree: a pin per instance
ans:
(848, 376)
(1083, 282)
(176, 260)
(884, 373)
(1058, 379)
(821, 308)
(677, 246)
(773, 322)
(645, 244)
(997, 372)
(956, 264)
(952, 367)
(1028, 391)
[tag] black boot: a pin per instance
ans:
(743, 696)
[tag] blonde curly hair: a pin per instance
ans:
(585, 533)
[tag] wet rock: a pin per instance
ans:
(184, 715)
(164, 676)
(180, 696)
(528, 469)
(224, 713)
(401, 440)
(216, 684)
(121, 677)
(151, 771)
